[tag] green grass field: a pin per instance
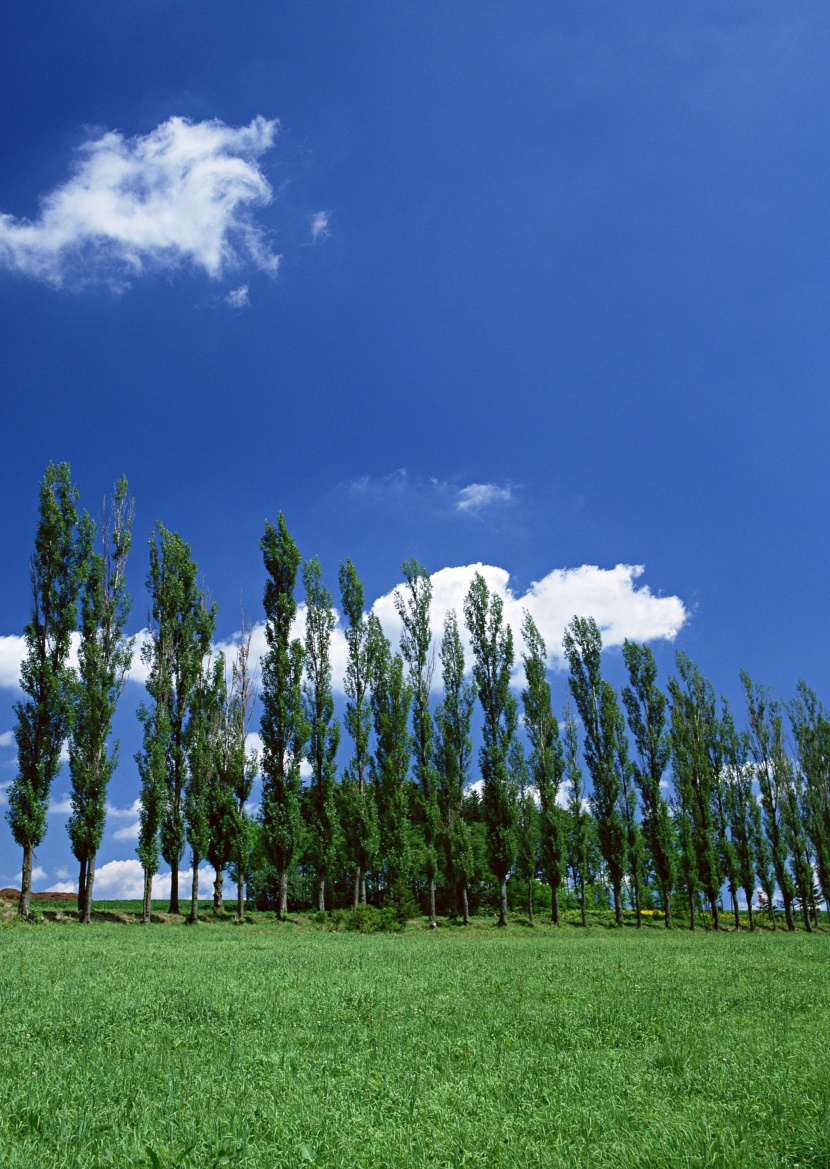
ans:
(275, 1045)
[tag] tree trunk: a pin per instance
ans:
(218, 891)
(193, 916)
(433, 920)
(735, 909)
(749, 893)
(667, 907)
(362, 888)
(321, 896)
(554, 904)
(240, 894)
(808, 927)
(691, 910)
(25, 882)
(618, 903)
(148, 894)
(637, 906)
(174, 888)
(582, 899)
(88, 887)
(465, 904)
(81, 888)
(356, 890)
(788, 912)
(503, 901)
(715, 913)
(530, 901)
(283, 894)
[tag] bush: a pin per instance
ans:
(367, 919)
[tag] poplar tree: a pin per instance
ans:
(413, 608)
(239, 766)
(741, 808)
(597, 706)
(547, 762)
(57, 567)
(283, 726)
(360, 821)
(453, 751)
(645, 706)
(628, 814)
(772, 771)
(181, 626)
(580, 819)
(811, 728)
(492, 642)
(104, 657)
(391, 702)
(204, 744)
(152, 760)
(324, 736)
(527, 823)
(719, 751)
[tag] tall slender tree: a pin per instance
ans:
(324, 737)
(204, 757)
(181, 625)
(453, 751)
(360, 820)
(492, 642)
(239, 766)
(628, 815)
(547, 761)
(154, 716)
(284, 726)
(44, 717)
(695, 729)
(580, 820)
(720, 747)
(598, 709)
(811, 728)
(104, 657)
(413, 608)
(645, 706)
(740, 808)
(391, 703)
(772, 770)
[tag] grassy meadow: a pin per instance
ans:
(279, 1045)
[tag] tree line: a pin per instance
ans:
(648, 800)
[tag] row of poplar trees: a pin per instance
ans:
(680, 803)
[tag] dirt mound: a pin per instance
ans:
(14, 895)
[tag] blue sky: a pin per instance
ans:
(535, 285)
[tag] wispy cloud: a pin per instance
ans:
(320, 225)
(180, 195)
(238, 297)
(7, 739)
(478, 495)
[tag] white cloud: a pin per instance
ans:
(124, 813)
(4, 799)
(478, 495)
(63, 873)
(38, 877)
(609, 595)
(7, 739)
(238, 297)
(124, 880)
(180, 195)
(12, 653)
(320, 225)
(63, 807)
(128, 832)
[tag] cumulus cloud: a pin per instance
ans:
(622, 608)
(7, 739)
(124, 880)
(12, 653)
(61, 807)
(128, 832)
(478, 495)
(180, 195)
(320, 225)
(124, 813)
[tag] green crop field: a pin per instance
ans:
(276, 1045)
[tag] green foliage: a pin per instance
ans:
(391, 701)
(58, 567)
(283, 726)
(104, 657)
